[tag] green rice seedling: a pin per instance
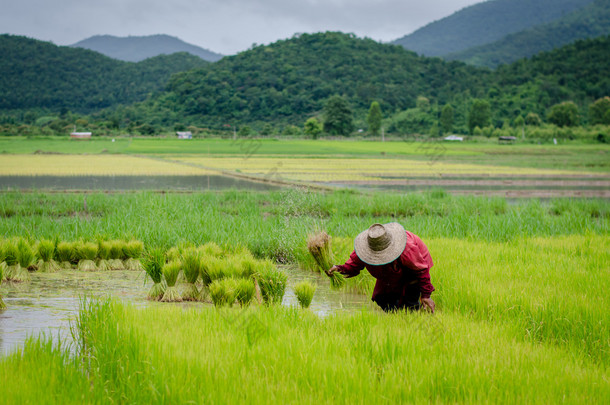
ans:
(319, 247)
(171, 271)
(248, 265)
(244, 291)
(10, 257)
(211, 249)
(65, 254)
(272, 283)
(304, 292)
(26, 255)
(24, 259)
(212, 269)
(223, 292)
(116, 255)
(176, 252)
(86, 253)
(133, 250)
(153, 263)
(103, 254)
(3, 261)
(46, 253)
(191, 267)
(2, 268)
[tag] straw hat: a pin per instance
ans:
(381, 244)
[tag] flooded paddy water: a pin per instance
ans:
(50, 301)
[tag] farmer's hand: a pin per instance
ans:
(428, 304)
(332, 270)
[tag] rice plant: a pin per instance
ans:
(211, 249)
(171, 271)
(244, 291)
(116, 255)
(272, 283)
(2, 268)
(304, 292)
(103, 254)
(25, 259)
(46, 253)
(86, 252)
(191, 267)
(153, 262)
(212, 269)
(319, 247)
(223, 292)
(65, 254)
(132, 250)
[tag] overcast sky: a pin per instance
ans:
(223, 26)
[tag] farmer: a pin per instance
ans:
(400, 262)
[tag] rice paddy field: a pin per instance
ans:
(521, 283)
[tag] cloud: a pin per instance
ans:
(225, 26)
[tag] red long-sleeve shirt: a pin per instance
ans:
(412, 266)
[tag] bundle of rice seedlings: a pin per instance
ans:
(211, 249)
(244, 291)
(3, 264)
(86, 253)
(272, 283)
(212, 269)
(153, 263)
(223, 292)
(2, 267)
(65, 254)
(304, 292)
(171, 271)
(46, 253)
(116, 255)
(176, 252)
(191, 267)
(133, 250)
(248, 266)
(11, 259)
(319, 247)
(103, 254)
(26, 255)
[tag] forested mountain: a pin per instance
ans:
(136, 49)
(37, 74)
(590, 21)
(292, 79)
(484, 23)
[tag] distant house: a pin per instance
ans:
(185, 135)
(506, 139)
(80, 135)
(454, 138)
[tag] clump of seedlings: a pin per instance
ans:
(116, 255)
(46, 253)
(153, 263)
(65, 254)
(26, 259)
(9, 251)
(2, 267)
(103, 254)
(132, 250)
(191, 268)
(272, 283)
(223, 292)
(171, 271)
(86, 253)
(211, 249)
(244, 291)
(319, 247)
(304, 292)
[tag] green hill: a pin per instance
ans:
(36, 74)
(291, 79)
(485, 23)
(136, 49)
(589, 22)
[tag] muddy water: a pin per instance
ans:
(50, 301)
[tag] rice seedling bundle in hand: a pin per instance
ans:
(304, 292)
(223, 292)
(272, 283)
(153, 263)
(46, 253)
(116, 255)
(133, 250)
(86, 252)
(103, 254)
(65, 254)
(171, 271)
(191, 267)
(244, 291)
(319, 247)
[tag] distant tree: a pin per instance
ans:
(245, 131)
(291, 130)
(447, 118)
(423, 103)
(564, 114)
(533, 120)
(338, 118)
(267, 129)
(599, 112)
(519, 122)
(480, 114)
(313, 127)
(374, 118)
